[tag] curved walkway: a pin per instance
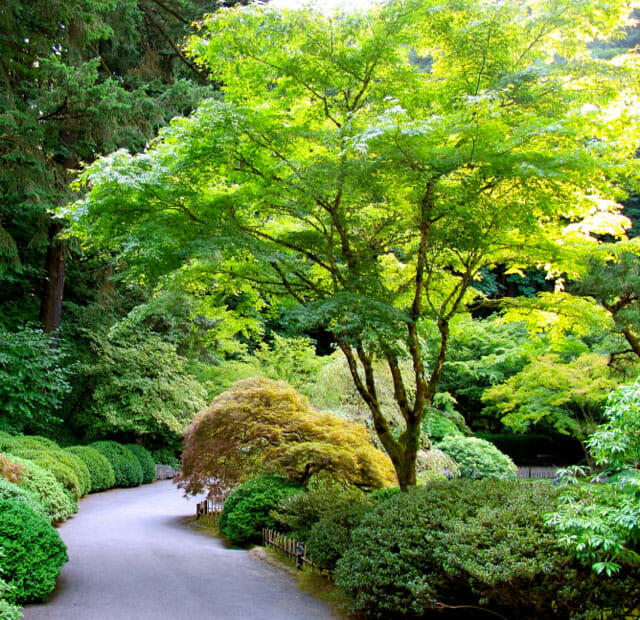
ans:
(131, 557)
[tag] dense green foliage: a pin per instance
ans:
(32, 552)
(472, 543)
(56, 501)
(15, 493)
(477, 458)
(247, 510)
(146, 462)
(100, 470)
(126, 467)
(600, 522)
(33, 380)
(370, 190)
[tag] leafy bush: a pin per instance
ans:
(436, 462)
(11, 491)
(72, 473)
(477, 458)
(330, 537)
(166, 456)
(32, 553)
(9, 470)
(100, 470)
(33, 380)
(50, 493)
(600, 523)
(125, 465)
(81, 470)
(146, 462)
(50, 461)
(298, 513)
(247, 508)
(473, 543)
(8, 611)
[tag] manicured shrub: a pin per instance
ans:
(72, 473)
(146, 462)
(125, 465)
(100, 470)
(246, 510)
(9, 470)
(473, 543)
(478, 458)
(63, 473)
(11, 491)
(8, 611)
(81, 470)
(298, 513)
(32, 553)
(330, 537)
(51, 494)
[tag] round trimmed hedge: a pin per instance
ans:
(477, 458)
(56, 501)
(32, 553)
(126, 466)
(13, 492)
(246, 510)
(63, 472)
(101, 473)
(146, 462)
(473, 543)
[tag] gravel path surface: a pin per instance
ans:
(132, 557)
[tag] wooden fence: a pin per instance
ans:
(536, 472)
(208, 507)
(287, 546)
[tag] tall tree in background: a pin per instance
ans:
(77, 79)
(369, 190)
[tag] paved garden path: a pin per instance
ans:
(132, 557)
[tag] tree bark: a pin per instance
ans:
(53, 289)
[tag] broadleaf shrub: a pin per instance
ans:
(146, 462)
(100, 470)
(125, 465)
(32, 553)
(473, 543)
(52, 495)
(247, 509)
(477, 458)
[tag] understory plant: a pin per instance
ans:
(477, 458)
(599, 515)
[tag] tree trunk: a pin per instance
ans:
(51, 299)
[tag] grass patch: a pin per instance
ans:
(318, 585)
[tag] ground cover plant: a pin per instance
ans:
(32, 553)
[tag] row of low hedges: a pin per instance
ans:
(40, 484)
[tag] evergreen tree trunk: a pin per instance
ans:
(53, 289)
